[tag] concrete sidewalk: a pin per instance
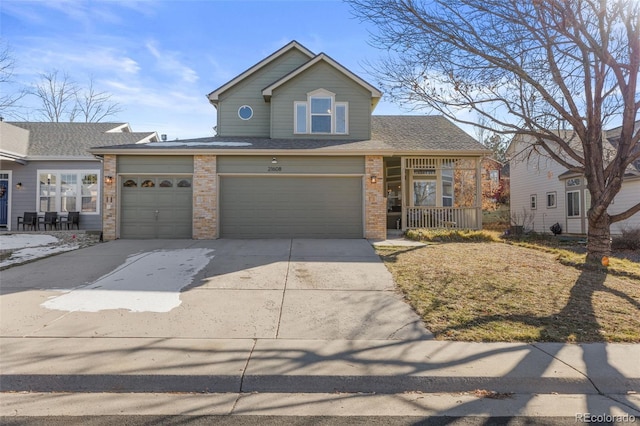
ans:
(312, 322)
(306, 366)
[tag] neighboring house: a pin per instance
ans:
(297, 154)
(495, 184)
(46, 167)
(543, 192)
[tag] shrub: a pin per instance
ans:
(629, 240)
(450, 235)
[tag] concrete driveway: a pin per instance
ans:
(214, 289)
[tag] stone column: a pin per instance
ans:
(109, 198)
(205, 197)
(375, 203)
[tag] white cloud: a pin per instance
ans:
(169, 62)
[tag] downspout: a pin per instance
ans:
(403, 188)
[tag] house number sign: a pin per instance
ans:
(274, 168)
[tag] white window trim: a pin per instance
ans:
(579, 206)
(58, 195)
(346, 117)
(533, 201)
(320, 93)
(555, 200)
(295, 117)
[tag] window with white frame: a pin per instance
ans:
(68, 191)
(573, 204)
(321, 114)
(551, 200)
(534, 201)
(447, 184)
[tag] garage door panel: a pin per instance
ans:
(272, 207)
(161, 211)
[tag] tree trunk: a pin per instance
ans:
(598, 237)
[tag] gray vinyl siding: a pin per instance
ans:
(26, 199)
(249, 92)
(291, 165)
(155, 164)
(321, 76)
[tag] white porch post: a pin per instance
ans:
(403, 190)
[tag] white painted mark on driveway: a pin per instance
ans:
(146, 282)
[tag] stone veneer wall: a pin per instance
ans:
(205, 190)
(375, 203)
(109, 198)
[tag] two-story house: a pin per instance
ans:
(544, 192)
(297, 153)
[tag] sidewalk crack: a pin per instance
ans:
(571, 367)
(244, 372)
(284, 289)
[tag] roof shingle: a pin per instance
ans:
(74, 139)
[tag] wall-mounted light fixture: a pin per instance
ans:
(19, 185)
(274, 160)
(374, 179)
(108, 180)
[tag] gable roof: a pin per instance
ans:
(213, 96)
(610, 139)
(613, 136)
(72, 140)
(322, 57)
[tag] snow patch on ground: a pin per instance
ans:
(26, 247)
(146, 282)
(18, 241)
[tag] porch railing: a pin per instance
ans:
(442, 217)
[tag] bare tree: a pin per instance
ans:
(57, 95)
(62, 99)
(8, 99)
(95, 106)
(530, 67)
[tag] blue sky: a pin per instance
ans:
(160, 58)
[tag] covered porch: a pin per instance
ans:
(433, 192)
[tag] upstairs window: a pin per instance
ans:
(321, 114)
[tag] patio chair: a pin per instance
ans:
(73, 218)
(51, 219)
(29, 220)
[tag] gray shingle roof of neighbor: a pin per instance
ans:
(74, 139)
(389, 133)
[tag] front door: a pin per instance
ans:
(4, 200)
